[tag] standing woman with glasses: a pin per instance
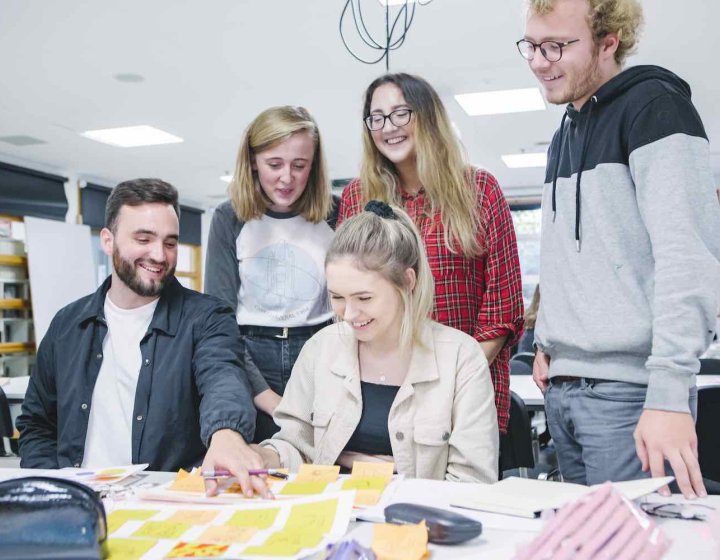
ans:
(267, 245)
(413, 158)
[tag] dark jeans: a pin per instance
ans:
(274, 358)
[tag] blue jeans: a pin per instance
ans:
(592, 422)
(274, 358)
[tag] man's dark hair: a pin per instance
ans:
(137, 192)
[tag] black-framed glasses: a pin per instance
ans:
(551, 50)
(696, 512)
(399, 117)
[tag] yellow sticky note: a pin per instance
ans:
(304, 488)
(188, 482)
(196, 550)
(162, 530)
(115, 519)
(284, 543)
(193, 516)
(313, 517)
(400, 542)
(257, 518)
(227, 534)
(128, 549)
(363, 469)
(367, 497)
(320, 473)
(370, 483)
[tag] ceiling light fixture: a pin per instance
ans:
(226, 178)
(517, 161)
(132, 136)
(396, 28)
(499, 102)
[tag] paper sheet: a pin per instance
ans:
(525, 497)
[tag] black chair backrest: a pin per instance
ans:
(709, 366)
(6, 425)
(516, 445)
(708, 431)
(518, 367)
(527, 357)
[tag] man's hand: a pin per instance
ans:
(267, 401)
(541, 365)
(662, 435)
(229, 451)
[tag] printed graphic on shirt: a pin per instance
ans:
(285, 280)
(281, 262)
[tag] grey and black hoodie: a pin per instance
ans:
(630, 242)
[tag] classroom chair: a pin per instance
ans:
(707, 428)
(709, 366)
(527, 357)
(6, 426)
(516, 446)
(518, 367)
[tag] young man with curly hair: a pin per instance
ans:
(629, 249)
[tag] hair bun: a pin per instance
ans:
(380, 208)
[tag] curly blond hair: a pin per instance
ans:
(621, 17)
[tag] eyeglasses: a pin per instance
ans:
(697, 512)
(399, 117)
(551, 50)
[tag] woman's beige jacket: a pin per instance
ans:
(443, 422)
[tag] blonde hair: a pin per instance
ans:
(269, 129)
(448, 181)
(389, 246)
(623, 18)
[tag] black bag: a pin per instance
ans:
(50, 518)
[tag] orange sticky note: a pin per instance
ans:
(227, 534)
(400, 542)
(196, 550)
(162, 530)
(129, 549)
(193, 516)
(369, 483)
(362, 469)
(257, 518)
(304, 488)
(188, 482)
(319, 473)
(367, 497)
(117, 518)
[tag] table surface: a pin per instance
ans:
(502, 534)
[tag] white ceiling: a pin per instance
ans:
(211, 66)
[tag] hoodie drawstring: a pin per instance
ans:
(557, 163)
(583, 154)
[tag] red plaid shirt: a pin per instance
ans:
(480, 296)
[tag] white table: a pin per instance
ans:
(502, 534)
(525, 387)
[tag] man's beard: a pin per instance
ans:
(585, 82)
(127, 272)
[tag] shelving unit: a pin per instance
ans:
(17, 340)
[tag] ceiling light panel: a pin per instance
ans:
(132, 136)
(500, 102)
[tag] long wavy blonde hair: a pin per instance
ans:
(270, 128)
(389, 246)
(448, 180)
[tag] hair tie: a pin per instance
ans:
(380, 208)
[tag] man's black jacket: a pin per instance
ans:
(190, 384)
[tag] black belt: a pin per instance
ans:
(282, 332)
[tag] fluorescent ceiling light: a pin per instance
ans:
(534, 159)
(226, 178)
(498, 102)
(132, 136)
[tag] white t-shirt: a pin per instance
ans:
(109, 435)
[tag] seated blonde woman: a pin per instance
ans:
(386, 383)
